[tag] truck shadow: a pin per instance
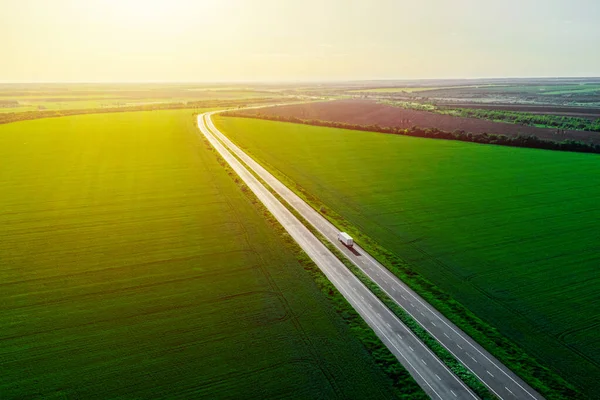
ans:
(353, 251)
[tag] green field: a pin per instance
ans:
(34, 97)
(557, 89)
(110, 99)
(417, 89)
(576, 89)
(133, 266)
(511, 233)
(529, 89)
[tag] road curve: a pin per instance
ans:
(496, 376)
(429, 372)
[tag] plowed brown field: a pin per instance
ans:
(367, 112)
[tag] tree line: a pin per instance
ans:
(522, 118)
(559, 122)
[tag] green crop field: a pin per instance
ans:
(511, 233)
(133, 266)
(540, 89)
(80, 100)
(576, 89)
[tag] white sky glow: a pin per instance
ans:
(250, 40)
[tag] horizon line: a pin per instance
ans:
(293, 81)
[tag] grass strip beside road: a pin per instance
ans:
(448, 359)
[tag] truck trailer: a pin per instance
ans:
(345, 239)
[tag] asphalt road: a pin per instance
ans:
(429, 372)
(496, 376)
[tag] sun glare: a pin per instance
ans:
(145, 10)
(155, 12)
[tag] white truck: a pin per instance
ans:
(345, 239)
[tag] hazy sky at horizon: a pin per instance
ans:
(247, 40)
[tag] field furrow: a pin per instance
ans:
(133, 266)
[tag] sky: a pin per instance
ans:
(284, 40)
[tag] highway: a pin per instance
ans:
(497, 377)
(429, 372)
